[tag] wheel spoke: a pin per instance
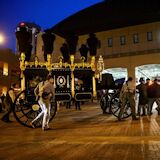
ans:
(23, 111)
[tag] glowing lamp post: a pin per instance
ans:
(100, 66)
(2, 39)
(5, 69)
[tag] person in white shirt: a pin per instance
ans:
(45, 93)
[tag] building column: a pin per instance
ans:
(131, 72)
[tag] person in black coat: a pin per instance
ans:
(153, 92)
(142, 90)
(9, 101)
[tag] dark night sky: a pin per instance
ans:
(45, 13)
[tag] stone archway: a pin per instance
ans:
(150, 71)
(117, 72)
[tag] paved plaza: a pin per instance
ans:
(83, 135)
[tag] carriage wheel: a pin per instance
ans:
(26, 109)
(115, 106)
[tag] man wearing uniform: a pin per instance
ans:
(127, 95)
(46, 92)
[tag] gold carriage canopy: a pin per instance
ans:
(83, 69)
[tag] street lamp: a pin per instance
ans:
(2, 39)
(100, 66)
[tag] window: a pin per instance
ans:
(5, 69)
(149, 36)
(122, 40)
(135, 38)
(110, 42)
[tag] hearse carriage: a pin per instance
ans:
(26, 107)
(65, 72)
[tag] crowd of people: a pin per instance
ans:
(149, 92)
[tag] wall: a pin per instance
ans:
(128, 56)
(57, 44)
(7, 56)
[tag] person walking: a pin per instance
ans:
(127, 95)
(46, 94)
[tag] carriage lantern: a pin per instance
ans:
(100, 66)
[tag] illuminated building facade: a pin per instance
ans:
(9, 69)
(128, 31)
